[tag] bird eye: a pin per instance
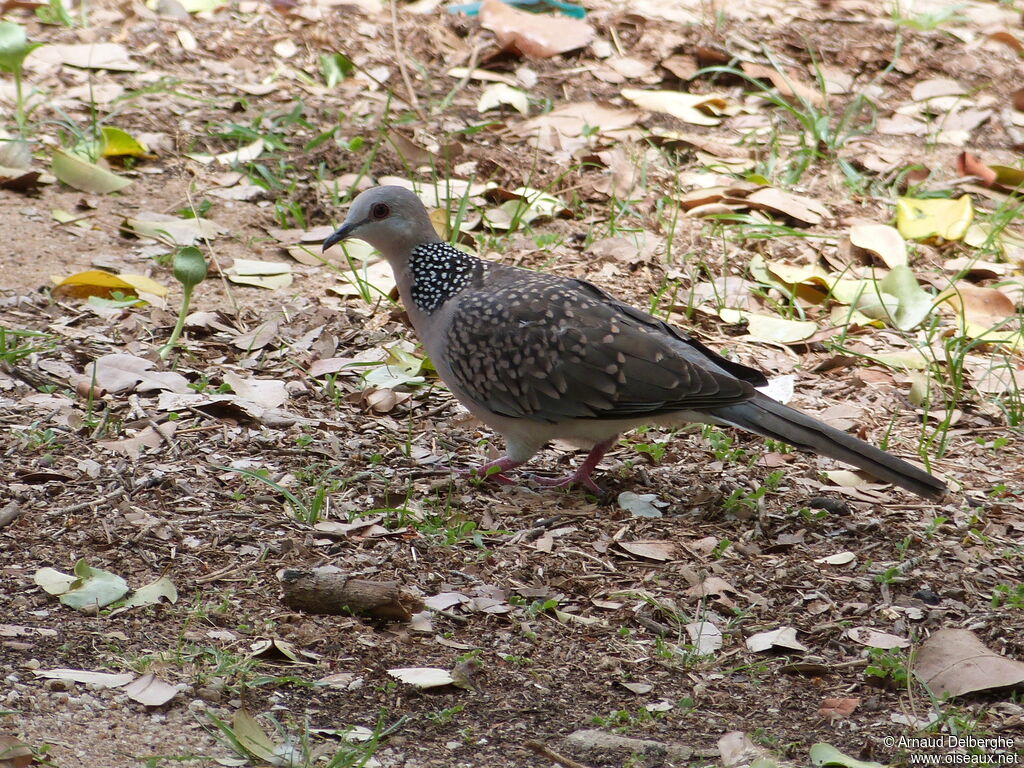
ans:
(380, 211)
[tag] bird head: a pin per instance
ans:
(391, 219)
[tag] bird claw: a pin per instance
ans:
(574, 478)
(494, 470)
(498, 477)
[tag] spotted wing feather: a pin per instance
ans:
(549, 349)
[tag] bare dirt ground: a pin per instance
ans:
(558, 612)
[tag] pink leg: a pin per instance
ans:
(486, 471)
(582, 474)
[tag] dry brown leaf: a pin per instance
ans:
(695, 108)
(270, 393)
(148, 438)
(258, 338)
(968, 165)
(788, 83)
(782, 638)
(112, 56)
(936, 88)
(953, 662)
(837, 709)
(150, 690)
(14, 753)
(882, 240)
(571, 120)
(978, 305)
(533, 35)
(118, 373)
(650, 549)
(1004, 37)
(803, 210)
(994, 376)
(873, 638)
(712, 585)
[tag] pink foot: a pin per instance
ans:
(493, 470)
(582, 475)
(579, 477)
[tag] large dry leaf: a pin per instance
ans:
(979, 307)
(738, 751)
(573, 120)
(171, 229)
(498, 94)
(269, 393)
(693, 108)
(650, 549)
(641, 504)
(788, 83)
(272, 275)
(783, 638)
(705, 636)
(534, 35)
(994, 377)
(150, 691)
(874, 638)
(113, 56)
(97, 679)
(882, 240)
(423, 677)
(148, 438)
(953, 662)
(803, 210)
(125, 373)
(239, 156)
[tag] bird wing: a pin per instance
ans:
(551, 349)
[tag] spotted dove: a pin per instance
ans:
(539, 357)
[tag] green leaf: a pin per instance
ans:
(87, 177)
(400, 368)
(162, 588)
(826, 754)
(251, 737)
(14, 47)
(335, 68)
(117, 143)
(94, 587)
(190, 267)
(915, 303)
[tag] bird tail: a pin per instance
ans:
(769, 418)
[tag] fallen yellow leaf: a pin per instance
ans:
(96, 282)
(949, 219)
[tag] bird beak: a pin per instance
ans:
(338, 235)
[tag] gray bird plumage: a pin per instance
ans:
(539, 357)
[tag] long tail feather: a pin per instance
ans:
(769, 418)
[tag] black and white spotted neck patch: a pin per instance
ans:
(439, 271)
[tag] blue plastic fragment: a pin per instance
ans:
(536, 6)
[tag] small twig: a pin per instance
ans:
(72, 508)
(464, 80)
(217, 575)
(656, 627)
(136, 408)
(452, 617)
(413, 101)
(550, 754)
